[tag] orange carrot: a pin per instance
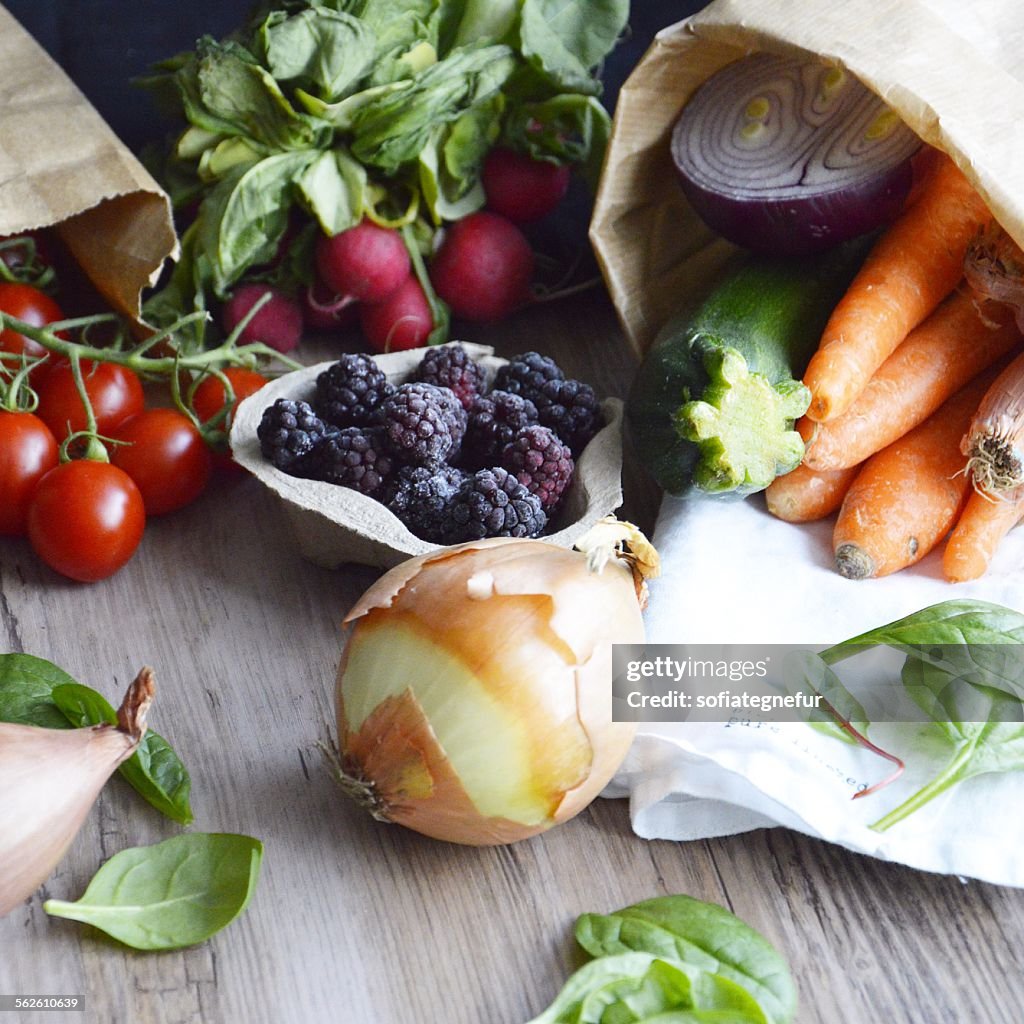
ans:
(805, 495)
(910, 270)
(984, 522)
(906, 497)
(959, 340)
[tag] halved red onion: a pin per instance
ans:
(789, 155)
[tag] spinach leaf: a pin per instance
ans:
(639, 986)
(153, 771)
(702, 935)
(26, 688)
(171, 895)
(948, 622)
(34, 691)
(984, 725)
(330, 49)
(807, 672)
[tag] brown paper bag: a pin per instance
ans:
(950, 70)
(61, 166)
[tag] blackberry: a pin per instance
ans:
(526, 374)
(493, 503)
(541, 462)
(353, 457)
(494, 422)
(288, 432)
(570, 408)
(450, 366)
(423, 423)
(420, 497)
(349, 391)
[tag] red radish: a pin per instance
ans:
(483, 267)
(366, 262)
(402, 320)
(278, 323)
(521, 188)
(322, 310)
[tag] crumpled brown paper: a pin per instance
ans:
(61, 166)
(952, 71)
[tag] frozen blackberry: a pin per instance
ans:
(495, 420)
(493, 503)
(526, 374)
(420, 497)
(349, 391)
(353, 457)
(288, 432)
(541, 462)
(450, 366)
(571, 409)
(423, 423)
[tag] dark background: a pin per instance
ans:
(104, 44)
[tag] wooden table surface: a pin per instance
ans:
(357, 921)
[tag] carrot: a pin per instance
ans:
(959, 340)
(805, 495)
(984, 522)
(906, 497)
(909, 271)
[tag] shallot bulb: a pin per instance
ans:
(474, 695)
(50, 778)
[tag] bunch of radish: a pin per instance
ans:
(481, 267)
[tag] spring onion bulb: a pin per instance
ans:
(474, 694)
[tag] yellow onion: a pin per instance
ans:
(50, 778)
(474, 694)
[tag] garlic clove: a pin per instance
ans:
(50, 779)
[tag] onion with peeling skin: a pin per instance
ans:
(474, 695)
(791, 156)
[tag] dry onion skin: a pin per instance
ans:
(474, 694)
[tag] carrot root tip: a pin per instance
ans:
(854, 563)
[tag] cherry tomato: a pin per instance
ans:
(166, 456)
(115, 394)
(28, 304)
(86, 519)
(27, 452)
(209, 397)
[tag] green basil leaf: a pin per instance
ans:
(331, 49)
(26, 691)
(240, 97)
(154, 771)
(635, 986)
(568, 129)
(334, 186)
(174, 894)
(586, 29)
(244, 216)
(486, 21)
(394, 128)
(702, 935)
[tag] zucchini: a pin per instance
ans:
(714, 402)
